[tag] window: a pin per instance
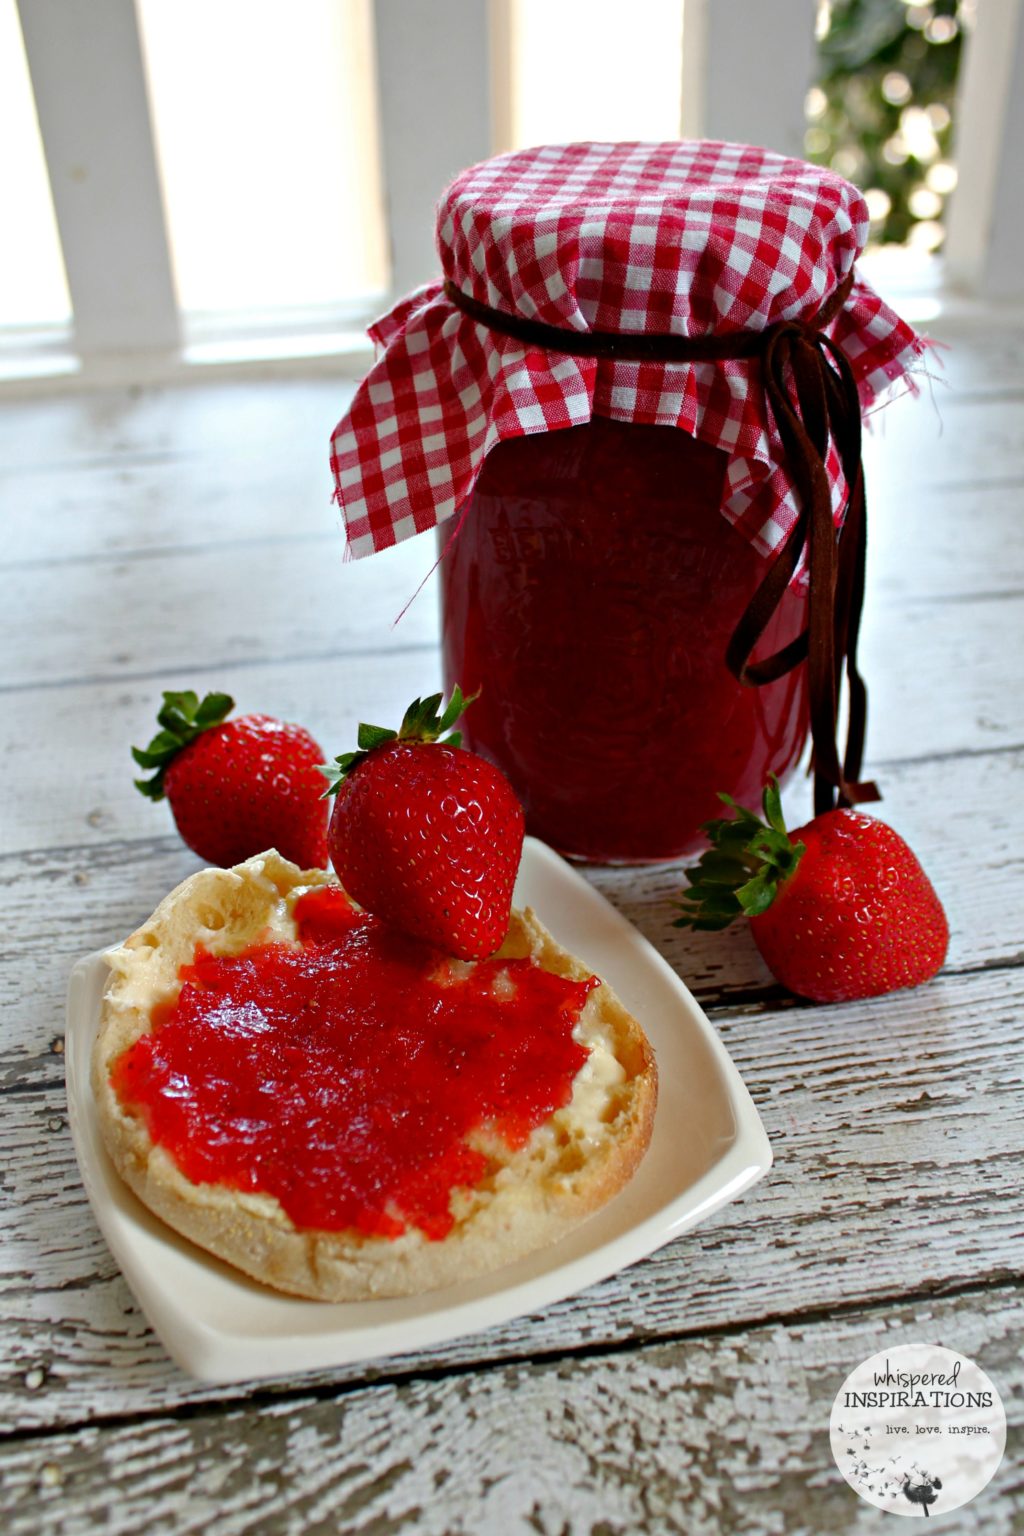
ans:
(235, 182)
(266, 143)
(881, 112)
(33, 286)
(588, 69)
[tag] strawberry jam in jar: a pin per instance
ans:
(631, 406)
(590, 594)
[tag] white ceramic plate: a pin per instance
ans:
(708, 1146)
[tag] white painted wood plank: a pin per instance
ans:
(978, 351)
(149, 507)
(900, 1116)
(897, 1145)
(292, 417)
(98, 866)
(98, 803)
(198, 612)
(68, 902)
(1004, 272)
(205, 418)
(940, 808)
(986, 216)
(981, 351)
(697, 1435)
(937, 670)
(938, 441)
(113, 472)
(90, 92)
(746, 71)
(937, 675)
(434, 96)
(943, 543)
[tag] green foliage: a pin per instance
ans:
(862, 131)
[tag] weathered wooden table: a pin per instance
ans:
(185, 537)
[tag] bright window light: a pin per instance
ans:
(33, 287)
(592, 69)
(266, 138)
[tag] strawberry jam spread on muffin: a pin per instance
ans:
(355, 1073)
(344, 1111)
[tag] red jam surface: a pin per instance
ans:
(590, 593)
(344, 1074)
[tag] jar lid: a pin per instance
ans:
(686, 239)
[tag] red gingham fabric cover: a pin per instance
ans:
(690, 238)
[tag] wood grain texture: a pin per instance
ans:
(958, 701)
(944, 440)
(915, 554)
(112, 472)
(206, 609)
(894, 1130)
(163, 538)
(698, 1436)
(157, 516)
(980, 354)
(229, 603)
(65, 901)
(211, 610)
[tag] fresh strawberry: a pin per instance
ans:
(237, 787)
(842, 909)
(425, 834)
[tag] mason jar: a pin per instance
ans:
(590, 594)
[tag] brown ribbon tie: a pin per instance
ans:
(813, 396)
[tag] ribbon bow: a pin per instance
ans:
(826, 406)
(813, 396)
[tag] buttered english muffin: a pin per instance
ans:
(342, 1111)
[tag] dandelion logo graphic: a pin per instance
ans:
(918, 1430)
(921, 1488)
(898, 1474)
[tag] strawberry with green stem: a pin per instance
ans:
(425, 834)
(236, 787)
(839, 909)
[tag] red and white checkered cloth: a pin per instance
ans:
(689, 238)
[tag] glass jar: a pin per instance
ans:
(590, 593)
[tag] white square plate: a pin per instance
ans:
(708, 1145)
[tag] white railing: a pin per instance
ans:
(442, 94)
(985, 238)
(90, 91)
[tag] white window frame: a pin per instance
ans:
(441, 90)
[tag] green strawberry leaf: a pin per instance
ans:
(181, 719)
(740, 873)
(456, 704)
(715, 868)
(214, 710)
(187, 701)
(179, 711)
(159, 752)
(174, 719)
(757, 895)
(151, 788)
(424, 722)
(772, 804)
(371, 736)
